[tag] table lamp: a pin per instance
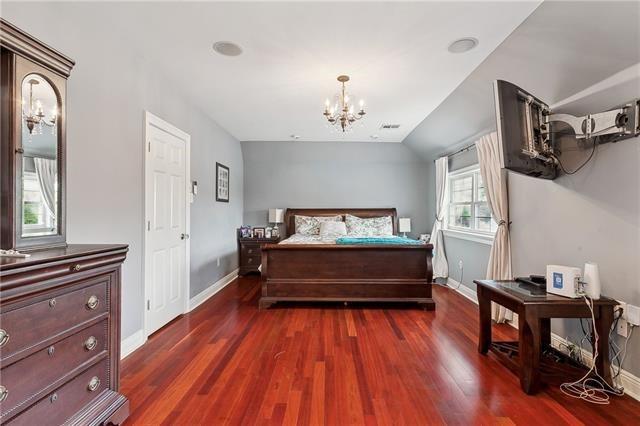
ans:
(404, 226)
(276, 216)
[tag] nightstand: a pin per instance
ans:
(250, 253)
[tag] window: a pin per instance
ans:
(35, 216)
(468, 207)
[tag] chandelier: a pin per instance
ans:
(342, 112)
(34, 116)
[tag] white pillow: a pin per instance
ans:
(310, 225)
(369, 227)
(332, 229)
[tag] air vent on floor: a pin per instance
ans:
(389, 126)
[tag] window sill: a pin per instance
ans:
(469, 236)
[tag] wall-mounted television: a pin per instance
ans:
(526, 129)
(522, 131)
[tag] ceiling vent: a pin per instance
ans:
(390, 126)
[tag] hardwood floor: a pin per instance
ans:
(228, 363)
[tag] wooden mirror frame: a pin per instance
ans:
(20, 55)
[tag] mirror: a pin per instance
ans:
(40, 144)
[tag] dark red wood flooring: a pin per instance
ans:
(229, 363)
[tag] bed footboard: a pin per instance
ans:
(345, 273)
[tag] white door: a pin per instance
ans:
(166, 210)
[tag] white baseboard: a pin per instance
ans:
(137, 339)
(467, 292)
(629, 382)
(204, 295)
(131, 343)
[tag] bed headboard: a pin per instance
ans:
(290, 215)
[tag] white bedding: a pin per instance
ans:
(308, 239)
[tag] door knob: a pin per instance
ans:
(184, 236)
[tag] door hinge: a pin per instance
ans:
(149, 146)
(148, 305)
(148, 225)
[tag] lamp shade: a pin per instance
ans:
(276, 215)
(404, 224)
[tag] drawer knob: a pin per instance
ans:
(250, 251)
(94, 384)
(53, 398)
(76, 267)
(52, 302)
(51, 350)
(93, 302)
(91, 343)
(4, 337)
(250, 260)
(4, 393)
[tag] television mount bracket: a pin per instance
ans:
(617, 124)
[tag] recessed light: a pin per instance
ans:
(296, 137)
(227, 48)
(463, 45)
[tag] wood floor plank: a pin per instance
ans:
(227, 362)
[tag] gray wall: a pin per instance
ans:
(334, 174)
(593, 215)
(108, 91)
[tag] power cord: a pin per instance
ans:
(593, 150)
(591, 389)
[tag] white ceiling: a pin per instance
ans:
(395, 53)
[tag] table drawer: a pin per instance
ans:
(25, 327)
(250, 250)
(24, 379)
(251, 261)
(64, 402)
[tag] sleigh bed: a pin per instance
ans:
(329, 272)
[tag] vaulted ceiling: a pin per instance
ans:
(395, 53)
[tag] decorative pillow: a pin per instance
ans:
(332, 229)
(369, 227)
(310, 225)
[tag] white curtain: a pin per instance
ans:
(47, 171)
(440, 265)
(495, 182)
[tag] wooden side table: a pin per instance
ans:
(535, 308)
(250, 253)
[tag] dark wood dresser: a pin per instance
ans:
(60, 336)
(250, 254)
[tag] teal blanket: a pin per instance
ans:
(395, 240)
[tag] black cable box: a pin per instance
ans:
(536, 280)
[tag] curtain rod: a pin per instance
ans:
(460, 151)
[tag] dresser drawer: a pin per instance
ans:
(24, 379)
(27, 326)
(67, 400)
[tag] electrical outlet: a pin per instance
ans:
(218, 262)
(632, 315)
(623, 328)
(460, 264)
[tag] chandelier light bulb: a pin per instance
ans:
(342, 115)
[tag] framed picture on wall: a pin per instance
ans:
(222, 183)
